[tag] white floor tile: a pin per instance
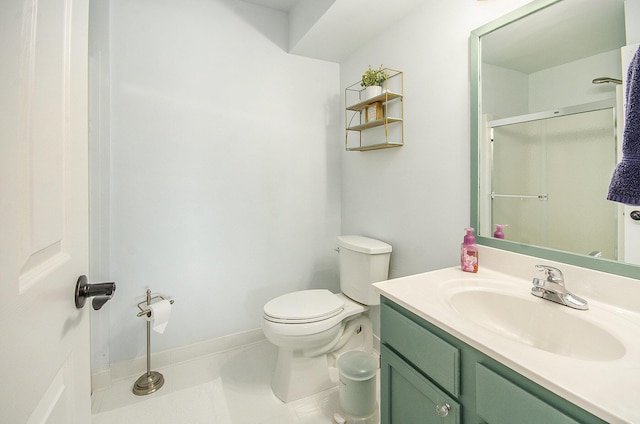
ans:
(228, 388)
(193, 405)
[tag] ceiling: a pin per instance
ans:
(561, 33)
(564, 32)
(332, 29)
(282, 5)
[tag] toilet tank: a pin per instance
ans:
(363, 261)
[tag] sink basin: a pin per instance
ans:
(539, 323)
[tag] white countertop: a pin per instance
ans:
(609, 389)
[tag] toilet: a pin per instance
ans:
(313, 327)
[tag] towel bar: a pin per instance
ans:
(543, 196)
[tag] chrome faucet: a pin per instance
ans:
(553, 289)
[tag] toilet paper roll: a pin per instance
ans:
(159, 316)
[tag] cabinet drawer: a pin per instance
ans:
(428, 352)
(408, 397)
(499, 401)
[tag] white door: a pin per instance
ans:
(44, 339)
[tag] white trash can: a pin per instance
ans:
(357, 392)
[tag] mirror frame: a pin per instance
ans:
(598, 264)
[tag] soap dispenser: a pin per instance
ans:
(469, 252)
(498, 233)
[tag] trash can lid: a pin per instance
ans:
(357, 365)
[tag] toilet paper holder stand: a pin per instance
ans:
(150, 381)
(148, 302)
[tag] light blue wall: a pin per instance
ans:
(226, 179)
(224, 170)
(417, 197)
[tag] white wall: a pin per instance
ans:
(229, 179)
(632, 16)
(505, 92)
(417, 197)
(99, 171)
(509, 93)
(571, 84)
(225, 171)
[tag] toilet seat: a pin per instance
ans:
(302, 307)
(283, 332)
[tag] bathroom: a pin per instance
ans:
(209, 114)
(218, 171)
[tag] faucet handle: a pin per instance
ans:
(553, 274)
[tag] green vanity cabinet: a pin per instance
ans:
(429, 376)
(410, 397)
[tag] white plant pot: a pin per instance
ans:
(372, 91)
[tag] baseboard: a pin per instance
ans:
(103, 379)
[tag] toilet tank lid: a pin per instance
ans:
(364, 244)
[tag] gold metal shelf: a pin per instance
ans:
(391, 120)
(384, 97)
(374, 147)
(372, 124)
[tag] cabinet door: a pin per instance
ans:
(424, 350)
(499, 401)
(408, 397)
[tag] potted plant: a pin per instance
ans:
(372, 80)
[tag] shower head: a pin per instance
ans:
(606, 80)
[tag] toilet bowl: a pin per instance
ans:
(312, 327)
(286, 327)
(303, 366)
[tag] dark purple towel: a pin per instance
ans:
(625, 183)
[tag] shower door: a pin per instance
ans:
(550, 179)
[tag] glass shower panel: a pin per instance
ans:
(581, 156)
(517, 181)
(550, 179)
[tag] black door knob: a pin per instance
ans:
(101, 292)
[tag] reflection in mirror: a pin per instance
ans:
(546, 115)
(548, 176)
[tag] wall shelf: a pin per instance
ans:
(384, 97)
(387, 131)
(372, 124)
(373, 147)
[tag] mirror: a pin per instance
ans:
(545, 117)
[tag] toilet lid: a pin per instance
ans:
(304, 306)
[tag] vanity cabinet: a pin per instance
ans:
(377, 122)
(429, 376)
(410, 397)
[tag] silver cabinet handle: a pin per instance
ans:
(443, 409)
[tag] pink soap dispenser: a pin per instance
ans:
(469, 252)
(498, 233)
